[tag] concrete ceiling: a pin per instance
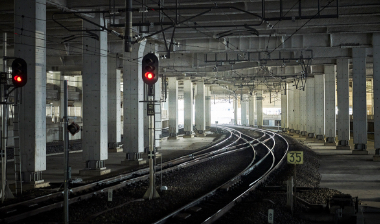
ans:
(239, 59)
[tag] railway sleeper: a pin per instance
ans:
(231, 184)
(182, 216)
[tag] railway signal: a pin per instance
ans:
(19, 72)
(150, 69)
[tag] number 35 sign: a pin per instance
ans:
(295, 157)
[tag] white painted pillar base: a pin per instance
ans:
(343, 104)
(95, 128)
(296, 109)
(188, 108)
(251, 109)
(259, 106)
(303, 113)
(376, 89)
(200, 121)
(291, 90)
(284, 108)
(114, 109)
(319, 94)
(235, 109)
(133, 110)
(243, 113)
(330, 115)
(173, 108)
(359, 99)
(310, 107)
(32, 124)
(208, 107)
(157, 118)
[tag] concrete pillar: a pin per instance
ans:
(343, 104)
(208, 107)
(376, 91)
(284, 108)
(359, 100)
(94, 74)
(188, 108)
(310, 106)
(61, 103)
(303, 112)
(243, 112)
(200, 121)
(157, 118)
(291, 90)
(31, 47)
(259, 106)
(296, 108)
(173, 107)
(330, 115)
(251, 109)
(133, 110)
(114, 107)
(319, 94)
(235, 99)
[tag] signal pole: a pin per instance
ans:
(151, 192)
(150, 77)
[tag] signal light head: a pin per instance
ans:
(19, 72)
(149, 75)
(150, 69)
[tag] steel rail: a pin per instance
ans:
(233, 180)
(213, 192)
(184, 162)
(112, 179)
(253, 185)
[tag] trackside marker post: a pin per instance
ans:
(295, 157)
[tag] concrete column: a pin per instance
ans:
(330, 115)
(235, 99)
(133, 110)
(157, 109)
(114, 107)
(376, 91)
(259, 106)
(310, 107)
(94, 74)
(296, 108)
(319, 94)
(251, 109)
(200, 121)
(343, 104)
(61, 103)
(359, 100)
(31, 47)
(284, 108)
(243, 112)
(303, 112)
(173, 107)
(291, 90)
(208, 107)
(188, 108)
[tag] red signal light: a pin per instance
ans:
(18, 78)
(149, 75)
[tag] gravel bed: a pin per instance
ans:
(254, 208)
(184, 186)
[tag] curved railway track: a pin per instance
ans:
(234, 141)
(211, 206)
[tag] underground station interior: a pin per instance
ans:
(179, 111)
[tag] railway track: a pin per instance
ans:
(18, 211)
(211, 206)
